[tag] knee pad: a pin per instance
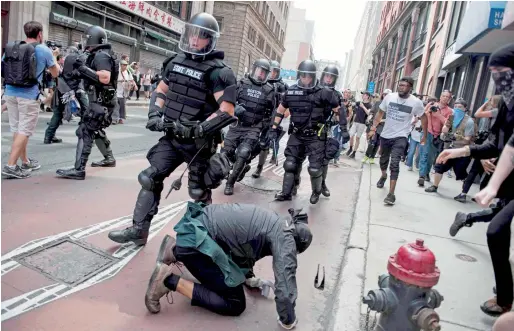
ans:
(315, 172)
(196, 193)
(244, 151)
(290, 165)
(146, 178)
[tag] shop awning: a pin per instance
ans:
(480, 31)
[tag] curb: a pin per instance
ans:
(350, 287)
(137, 104)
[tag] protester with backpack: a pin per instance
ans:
(23, 65)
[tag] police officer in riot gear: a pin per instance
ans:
(262, 149)
(99, 70)
(328, 80)
(306, 101)
(192, 103)
(255, 98)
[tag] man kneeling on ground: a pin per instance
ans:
(219, 245)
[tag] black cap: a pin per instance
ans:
(503, 57)
(407, 79)
(366, 92)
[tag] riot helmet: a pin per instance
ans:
(275, 71)
(200, 35)
(329, 76)
(306, 75)
(94, 36)
(260, 71)
(302, 233)
(72, 50)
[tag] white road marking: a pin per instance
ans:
(41, 296)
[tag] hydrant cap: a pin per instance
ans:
(414, 264)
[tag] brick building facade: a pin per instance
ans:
(251, 30)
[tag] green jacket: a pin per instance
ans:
(191, 233)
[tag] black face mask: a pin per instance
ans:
(505, 85)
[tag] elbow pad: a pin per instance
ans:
(155, 110)
(229, 95)
(217, 123)
(88, 73)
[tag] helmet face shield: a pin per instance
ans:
(259, 75)
(275, 73)
(306, 79)
(328, 79)
(198, 40)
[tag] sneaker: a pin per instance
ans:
(349, 151)
(390, 199)
(381, 182)
(410, 169)
(371, 161)
(421, 181)
(460, 198)
(491, 308)
(431, 189)
(427, 178)
(32, 165)
(15, 172)
(365, 159)
(449, 174)
(459, 222)
(352, 155)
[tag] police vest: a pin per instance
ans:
(254, 99)
(305, 106)
(115, 67)
(67, 71)
(190, 96)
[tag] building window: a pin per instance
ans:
(287, 11)
(247, 63)
(264, 13)
(251, 34)
(175, 7)
(421, 28)
(260, 43)
(62, 8)
(405, 38)
(393, 50)
(282, 36)
(116, 26)
(88, 17)
(456, 20)
(273, 55)
(277, 29)
(220, 23)
(268, 50)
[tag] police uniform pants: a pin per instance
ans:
(298, 148)
(212, 293)
(164, 158)
(239, 145)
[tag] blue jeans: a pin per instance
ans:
(427, 155)
(336, 131)
(412, 150)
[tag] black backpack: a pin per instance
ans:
(19, 65)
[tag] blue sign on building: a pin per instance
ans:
(371, 87)
(496, 18)
(288, 74)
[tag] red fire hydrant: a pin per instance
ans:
(406, 299)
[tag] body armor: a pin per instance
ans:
(100, 93)
(67, 72)
(254, 99)
(190, 96)
(307, 110)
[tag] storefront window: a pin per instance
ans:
(116, 26)
(62, 8)
(88, 17)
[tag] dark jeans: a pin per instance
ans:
(498, 240)
(137, 92)
(55, 122)
(459, 166)
(476, 170)
(392, 149)
(212, 294)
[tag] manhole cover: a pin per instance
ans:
(466, 258)
(67, 261)
(262, 183)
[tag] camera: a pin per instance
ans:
(53, 44)
(358, 103)
(345, 100)
(434, 108)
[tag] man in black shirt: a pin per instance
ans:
(362, 110)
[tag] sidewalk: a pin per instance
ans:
(139, 103)
(378, 231)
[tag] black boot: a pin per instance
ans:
(324, 189)
(297, 179)
(287, 187)
(53, 140)
(316, 189)
(237, 169)
(257, 172)
(104, 145)
(243, 173)
(131, 234)
(79, 170)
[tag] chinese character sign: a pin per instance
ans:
(151, 13)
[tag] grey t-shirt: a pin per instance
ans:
(469, 129)
(400, 113)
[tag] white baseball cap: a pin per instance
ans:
(386, 91)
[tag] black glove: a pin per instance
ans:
(345, 136)
(190, 132)
(155, 124)
(272, 134)
(239, 110)
(79, 62)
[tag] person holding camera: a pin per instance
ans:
(362, 110)
(23, 65)
(374, 142)
(457, 132)
(437, 114)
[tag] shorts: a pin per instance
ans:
(357, 129)
(146, 88)
(459, 166)
(23, 115)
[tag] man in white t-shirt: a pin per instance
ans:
(125, 84)
(401, 107)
